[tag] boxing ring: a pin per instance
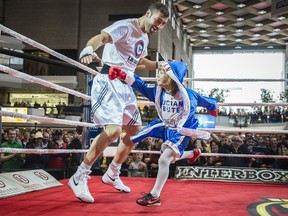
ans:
(183, 197)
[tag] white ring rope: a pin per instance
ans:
(86, 124)
(58, 151)
(231, 104)
(222, 79)
(30, 78)
(85, 68)
(244, 131)
(46, 49)
(45, 83)
(46, 119)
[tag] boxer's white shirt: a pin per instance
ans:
(128, 47)
(172, 109)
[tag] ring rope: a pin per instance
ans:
(58, 151)
(46, 49)
(30, 78)
(85, 68)
(244, 131)
(91, 125)
(46, 119)
(231, 104)
(222, 79)
(45, 83)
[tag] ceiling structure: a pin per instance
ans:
(235, 24)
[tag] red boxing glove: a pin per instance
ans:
(116, 72)
(122, 75)
(113, 72)
(213, 112)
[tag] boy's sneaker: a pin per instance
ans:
(115, 181)
(80, 188)
(149, 200)
(197, 153)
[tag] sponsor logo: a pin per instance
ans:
(21, 178)
(269, 206)
(139, 48)
(111, 178)
(2, 184)
(41, 175)
(232, 174)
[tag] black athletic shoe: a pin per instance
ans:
(149, 200)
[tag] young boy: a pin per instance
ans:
(176, 106)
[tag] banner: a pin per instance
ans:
(14, 183)
(242, 174)
(279, 7)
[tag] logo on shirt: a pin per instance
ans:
(139, 48)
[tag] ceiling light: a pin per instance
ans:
(262, 12)
(200, 20)
(277, 30)
(281, 18)
(202, 31)
(219, 13)
(220, 25)
(241, 5)
(273, 39)
(207, 47)
(238, 40)
(258, 24)
(239, 19)
(254, 44)
(239, 30)
(256, 35)
(270, 47)
(238, 47)
(221, 36)
(222, 44)
(205, 40)
(197, 6)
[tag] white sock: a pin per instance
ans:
(163, 171)
(85, 166)
(114, 168)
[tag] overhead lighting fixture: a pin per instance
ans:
(200, 20)
(238, 40)
(254, 44)
(258, 24)
(222, 44)
(256, 35)
(273, 39)
(221, 36)
(240, 19)
(239, 30)
(238, 47)
(281, 18)
(241, 5)
(277, 30)
(197, 6)
(205, 40)
(202, 31)
(262, 12)
(270, 47)
(220, 25)
(219, 13)
(207, 47)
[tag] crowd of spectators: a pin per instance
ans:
(138, 164)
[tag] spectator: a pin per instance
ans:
(138, 168)
(58, 162)
(36, 161)
(11, 161)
